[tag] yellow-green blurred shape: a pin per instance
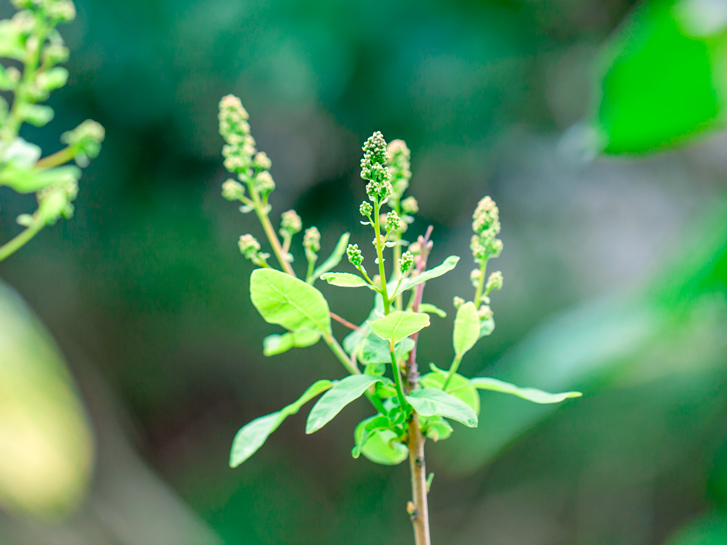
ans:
(46, 444)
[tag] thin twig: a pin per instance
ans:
(344, 322)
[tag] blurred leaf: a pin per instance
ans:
(253, 435)
(466, 329)
(277, 344)
(706, 530)
(432, 309)
(287, 301)
(334, 259)
(344, 392)
(382, 447)
(432, 401)
(45, 438)
(376, 350)
(346, 280)
(459, 387)
(371, 426)
(662, 79)
(446, 266)
(399, 325)
(530, 394)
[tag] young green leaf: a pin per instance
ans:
(376, 350)
(277, 344)
(399, 325)
(459, 387)
(446, 266)
(254, 434)
(333, 260)
(377, 423)
(487, 327)
(432, 401)
(346, 280)
(343, 393)
(287, 301)
(382, 446)
(530, 394)
(435, 428)
(431, 309)
(466, 329)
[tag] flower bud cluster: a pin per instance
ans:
(400, 168)
(410, 206)
(312, 243)
(393, 222)
(486, 225)
(373, 168)
(354, 255)
(366, 209)
(494, 282)
(290, 223)
(406, 262)
(84, 141)
(250, 248)
(233, 190)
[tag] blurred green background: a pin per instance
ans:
(594, 124)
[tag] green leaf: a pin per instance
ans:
(466, 329)
(287, 301)
(487, 326)
(253, 435)
(277, 344)
(459, 387)
(435, 428)
(372, 425)
(531, 394)
(381, 447)
(344, 392)
(662, 79)
(446, 266)
(376, 350)
(432, 401)
(333, 260)
(346, 280)
(431, 309)
(399, 325)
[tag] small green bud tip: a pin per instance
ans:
(312, 240)
(233, 190)
(249, 246)
(366, 209)
(494, 282)
(458, 302)
(290, 223)
(410, 206)
(354, 255)
(406, 261)
(485, 312)
(393, 223)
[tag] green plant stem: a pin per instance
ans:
(397, 381)
(20, 240)
(452, 370)
(311, 268)
(380, 256)
(262, 215)
(481, 283)
(57, 159)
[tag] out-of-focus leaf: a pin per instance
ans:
(277, 344)
(343, 393)
(466, 329)
(46, 442)
(530, 394)
(287, 301)
(459, 387)
(346, 280)
(334, 259)
(662, 79)
(446, 266)
(254, 434)
(432, 309)
(376, 350)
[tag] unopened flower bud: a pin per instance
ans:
(366, 209)
(409, 205)
(290, 223)
(406, 261)
(393, 223)
(475, 276)
(458, 301)
(264, 183)
(312, 240)
(233, 190)
(249, 246)
(485, 312)
(354, 255)
(261, 161)
(494, 282)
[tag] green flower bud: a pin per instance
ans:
(249, 246)
(475, 276)
(399, 167)
(264, 183)
(458, 302)
(366, 209)
(261, 161)
(354, 255)
(409, 205)
(406, 261)
(485, 312)
(85, 141)
(494, 282)
(290, 223)
(312, 240)
(393, 222)
(233, 190)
